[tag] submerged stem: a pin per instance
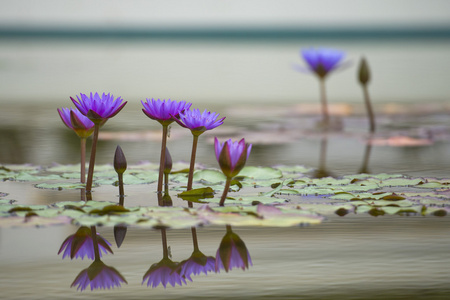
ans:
(83, 160)
(369, 108)
(323, 99)
(225, 191)
(92, 160)
(162, 159)
(192, 166)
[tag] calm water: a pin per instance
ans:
(345, 258)
(354, 257)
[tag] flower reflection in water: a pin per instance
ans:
(81, 244)
(86, 242)
(165, 271)
(198, 262)
(232, 253)
(98, 276)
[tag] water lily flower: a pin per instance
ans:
(76, 121)
(198, 123)
(98, 109)
(232, 157)
(83, 127)
(164, 272)
(232, 253)
(80, 244)
(322, 61)
(98, 276)
(163, 111)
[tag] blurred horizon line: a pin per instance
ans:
(278, 33)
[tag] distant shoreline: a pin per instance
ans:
(244, 34)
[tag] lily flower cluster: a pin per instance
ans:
(94, 110)
(168, 111)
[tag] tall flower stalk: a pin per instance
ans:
(98, 109)
(322, 61)
(364, 78)
(163, 111)
(197, 123)
(232, 157)
(83, 127)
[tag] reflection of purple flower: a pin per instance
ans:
(98, 108)
(80, 244)
(232, 156)
(163, 272)
(196, 264)
(76, 121)
(232, 253)
(199, 122)
(322, 60)
(163, 110)
(98, 276)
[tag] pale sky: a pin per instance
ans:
(229, 13)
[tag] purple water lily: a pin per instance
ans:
(76, 121)
(163, 111)
(198, 123)
(232, 253)
(322, 60)
(80, 244)
(98, 276)
(232, 157)
(83, 127)
(164, 272)
(98, 108)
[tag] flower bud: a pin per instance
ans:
(120, 162)
(364, 72)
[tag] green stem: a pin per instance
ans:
(95, 241)
(323, 98)
(225, 191)
(121, 191)
(162, 160)
(369, 108)
(83, 161)
(92, 160)
(192, 166)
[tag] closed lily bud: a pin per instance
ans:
(364, 72)
(232, 156)
(120, 162)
